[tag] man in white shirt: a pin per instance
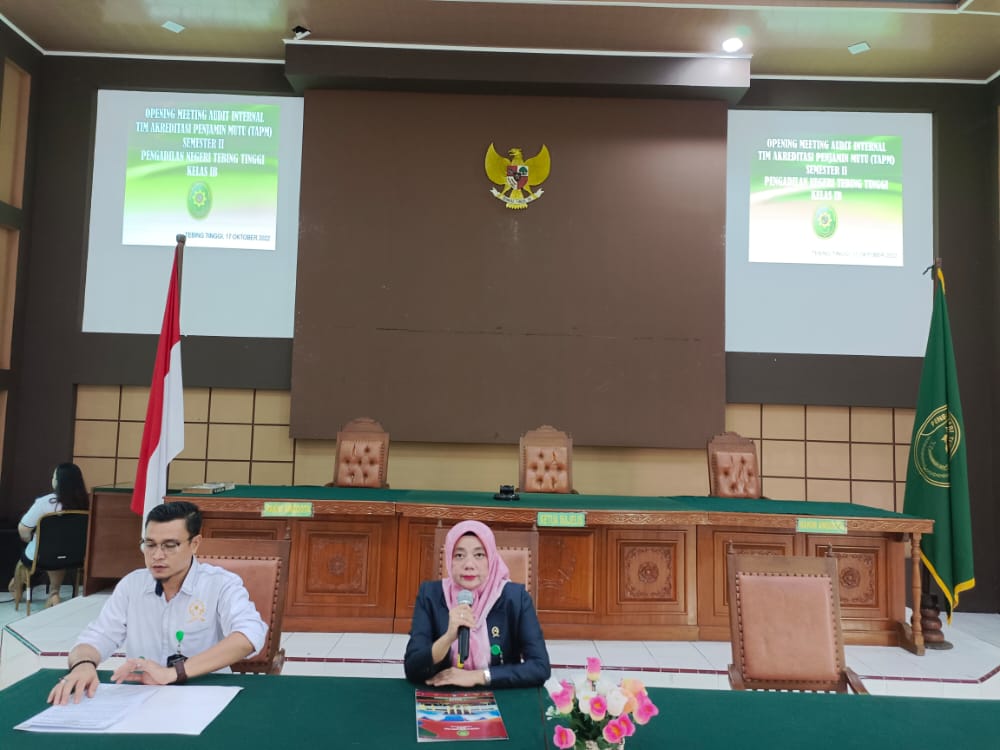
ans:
(177, 618)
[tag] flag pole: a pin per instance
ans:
(181, 240)
(930, 610)
(179, 253)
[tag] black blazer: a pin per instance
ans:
(512, 625)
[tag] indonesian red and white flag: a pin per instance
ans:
(163, 434)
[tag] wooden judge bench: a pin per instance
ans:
(641, 568)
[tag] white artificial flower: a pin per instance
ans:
(616, 701)
(583, 700)
(604, 686)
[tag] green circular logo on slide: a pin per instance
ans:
(825, 221)
(199, 200)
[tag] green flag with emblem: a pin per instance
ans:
(937, 478)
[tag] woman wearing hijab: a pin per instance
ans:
(506, 646)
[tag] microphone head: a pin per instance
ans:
(465, 597)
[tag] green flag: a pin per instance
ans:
(937, 478)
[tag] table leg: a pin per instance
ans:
(912, 636)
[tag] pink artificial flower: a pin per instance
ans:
(593, 668)
(598, 707)
(614, 732)
(645, 710)
(626, 724)
(564, 737)
(563, 699)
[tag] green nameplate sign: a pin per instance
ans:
(573, 520)
(284, 509)
(821, 525)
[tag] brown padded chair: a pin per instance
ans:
(263, 566)
(517, 547)
(732, 466)
(784, 615)
(362, 458)
(546, 460)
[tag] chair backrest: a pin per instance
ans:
(362, 457)
(546, 460)
(784, 614)
(61, 540)
(263, 566)
(517, 547)
(732, 466)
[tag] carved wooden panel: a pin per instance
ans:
(649, 571)
(862, 566)
(713, 544)
(343, 567)
(242, 528)
(567, 561)
(417, 563)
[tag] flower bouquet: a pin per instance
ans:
(598, 714)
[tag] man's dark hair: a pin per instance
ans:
(179, 509)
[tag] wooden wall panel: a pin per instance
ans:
(343, 570)
(240, 528)
(864, 572)
(566, 580)
(652, 574)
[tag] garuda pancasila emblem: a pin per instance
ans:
(517, 175)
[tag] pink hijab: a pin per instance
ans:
(485, 596)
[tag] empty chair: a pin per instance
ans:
(263, 566)
(784, 615)
(732, 466)
(546, 460)
(362, 457)
(60, 544)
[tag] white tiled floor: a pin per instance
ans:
(970, 670)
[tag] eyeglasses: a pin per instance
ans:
(169, 546)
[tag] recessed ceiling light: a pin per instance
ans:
(857, 49)
(733, 44)
(174, 27)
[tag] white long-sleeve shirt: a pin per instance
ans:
(211, 604)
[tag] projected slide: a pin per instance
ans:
(829, 229)
(210, 169)
(833, 200)
(222, 169)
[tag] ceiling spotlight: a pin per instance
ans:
(733, 44)
(300, 32)
(857, 49)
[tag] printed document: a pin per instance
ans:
(137, 709)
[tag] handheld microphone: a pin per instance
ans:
(464, 597)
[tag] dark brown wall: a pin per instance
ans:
(424, 302)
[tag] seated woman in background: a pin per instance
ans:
(506, 646)
(70, 493)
